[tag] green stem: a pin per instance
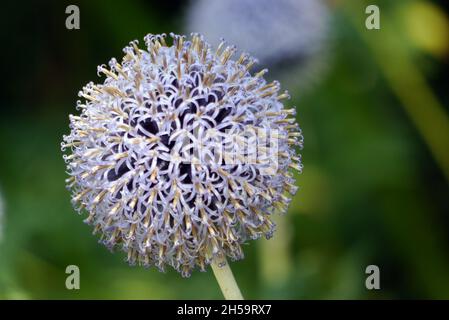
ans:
(225, 279)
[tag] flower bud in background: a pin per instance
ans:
(288, 36)
(146, 161)
(426, 26)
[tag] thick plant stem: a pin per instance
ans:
(225, 279)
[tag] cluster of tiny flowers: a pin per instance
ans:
(295, 33)
(131, 168)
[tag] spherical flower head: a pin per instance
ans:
(295, 33)
(181, 155)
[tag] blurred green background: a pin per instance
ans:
(374, 188)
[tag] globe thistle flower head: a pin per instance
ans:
(163, 158)
(295, 33)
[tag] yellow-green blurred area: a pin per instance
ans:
(374, 190)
